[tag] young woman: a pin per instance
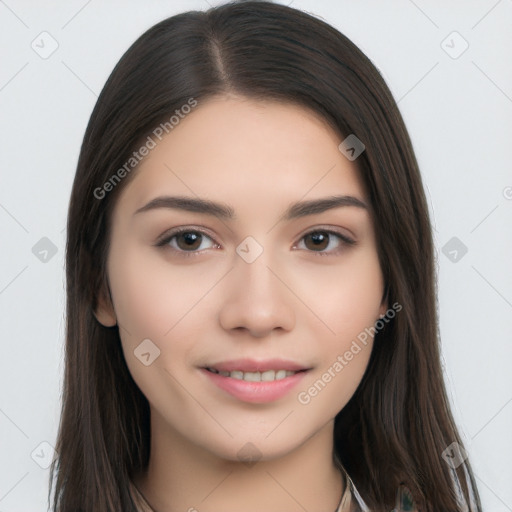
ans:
(251, 297)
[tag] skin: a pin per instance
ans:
(292, 302)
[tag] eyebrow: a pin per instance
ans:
(225, 211)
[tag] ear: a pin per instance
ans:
(104, 311)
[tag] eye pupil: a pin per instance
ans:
(318, 239)
(190, 239)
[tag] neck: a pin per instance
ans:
(181, 476)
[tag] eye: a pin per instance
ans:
(325, 241)
(186, 241)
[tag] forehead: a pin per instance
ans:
(232, 148)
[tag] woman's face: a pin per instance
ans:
(258, 282)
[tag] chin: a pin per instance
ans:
(250, 449)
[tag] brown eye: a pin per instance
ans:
(325, 242)
(319, 240)
(186, 241)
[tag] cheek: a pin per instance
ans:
(346, 297)
(341, 366)
(323, 396)
(152, 304)
(348, 303)
(152, 297)
(164, 303)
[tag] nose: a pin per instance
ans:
(258, 299)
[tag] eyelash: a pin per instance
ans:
(167, 237)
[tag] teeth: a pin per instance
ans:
(266, 376)
(252, 376)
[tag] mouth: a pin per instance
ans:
(255, 381)
(266, 376)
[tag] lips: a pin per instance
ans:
(255, 381)
(253, 365)
(266, 376)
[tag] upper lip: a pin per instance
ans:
(255, 365)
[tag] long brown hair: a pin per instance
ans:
(398, 423)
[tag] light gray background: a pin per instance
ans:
(458, 112)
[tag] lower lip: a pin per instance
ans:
(255, 392)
